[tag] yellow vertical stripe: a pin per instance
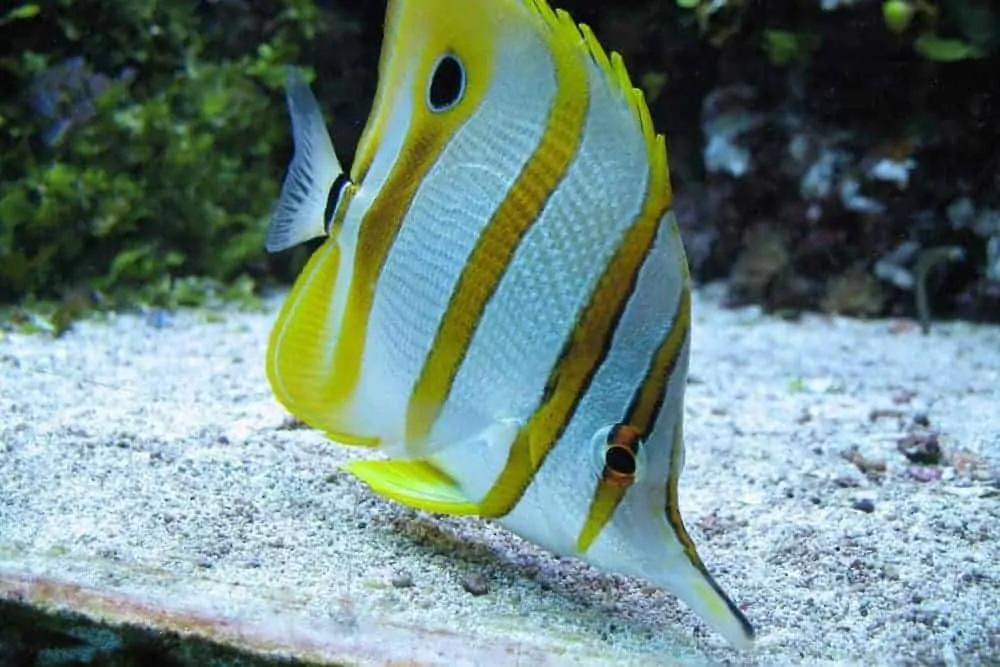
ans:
(495, 247)
(641, 415)
(647, 403)
(648, 399)
(427, 136)
(646, 406)
(674, 518)
(603, 503)
(588, 343)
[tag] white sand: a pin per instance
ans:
(153, 465)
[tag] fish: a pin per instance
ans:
(501, 305)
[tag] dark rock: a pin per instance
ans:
(846, 482)
(475, 584)
(922, 447)
(401, 580)
(864, 505)
(872, 468)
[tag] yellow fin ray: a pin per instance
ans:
(613, 68)
(415, 483)
(299, 355)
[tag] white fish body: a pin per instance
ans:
(502, 305)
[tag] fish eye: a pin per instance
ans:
(447, 84)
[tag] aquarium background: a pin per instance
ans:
(831, 155)
(159, 506)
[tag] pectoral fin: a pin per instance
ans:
(414, 482)
(299, 215)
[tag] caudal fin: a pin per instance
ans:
(299, 214)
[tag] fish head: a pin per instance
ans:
(436, 65)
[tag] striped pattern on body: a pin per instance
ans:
(481, 264)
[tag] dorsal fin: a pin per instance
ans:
(612, 67)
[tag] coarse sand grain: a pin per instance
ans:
(842, 482)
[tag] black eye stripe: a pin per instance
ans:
(447, 83)
(333, 198)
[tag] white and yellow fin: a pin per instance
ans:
(611, 65)
(299, 214)
(300, 360)
(414, 482)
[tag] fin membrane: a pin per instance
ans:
(703, 595)
(300, 351)
(415, 483)
(300, 212)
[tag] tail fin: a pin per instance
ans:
(299, 214)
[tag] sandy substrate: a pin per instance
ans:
(151, 465)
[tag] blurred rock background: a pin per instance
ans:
(833, 155)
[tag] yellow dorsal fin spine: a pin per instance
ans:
(613, 68)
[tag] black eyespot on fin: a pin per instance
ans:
(620, 461)
(621, 455)
(447, 84)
